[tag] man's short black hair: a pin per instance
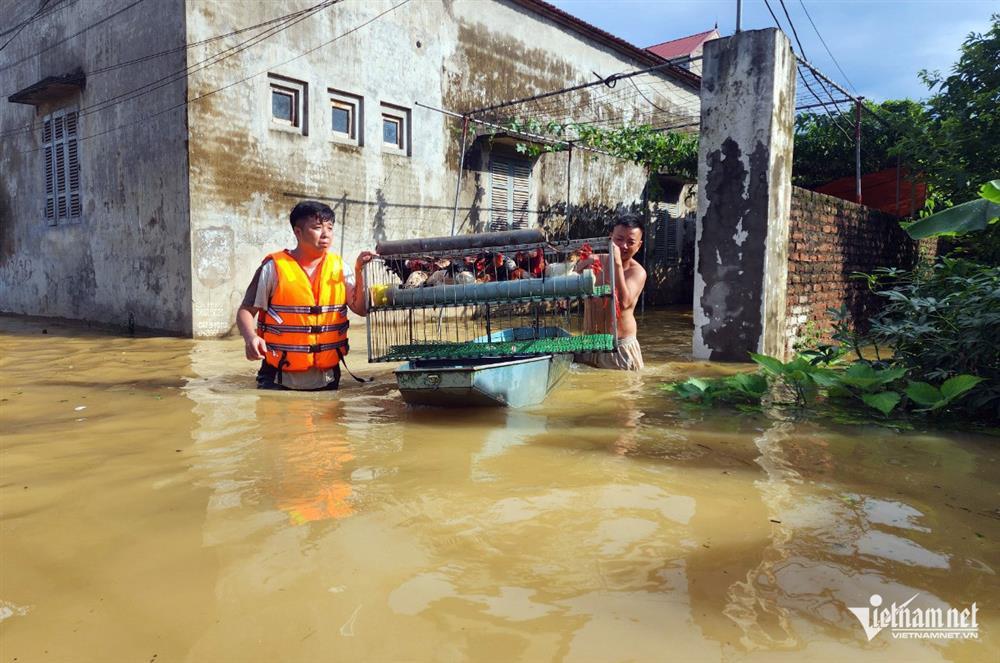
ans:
(629, 221)
(307, 209)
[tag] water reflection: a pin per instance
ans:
(607, 524)
(307, 458)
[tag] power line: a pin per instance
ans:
(152, 56)
(802, 50)
(24, 25)
(828, 52)
(187, 102)
(289, 21)
(795, 32)
(59, 4)
(805, 81)
(72, 36)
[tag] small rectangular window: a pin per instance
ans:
(289, 102)
(283, 105)
(396, 130)
(343, 119)
(346, 117)
(61, 151)
(392, 132)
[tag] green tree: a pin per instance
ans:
(824, 143)
(957, 144)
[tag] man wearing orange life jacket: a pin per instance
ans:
(294, 314)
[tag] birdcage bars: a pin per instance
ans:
(503, 301)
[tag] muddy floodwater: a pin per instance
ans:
(155, 507)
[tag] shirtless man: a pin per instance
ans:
(630, 278)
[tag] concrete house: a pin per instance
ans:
(150, 149)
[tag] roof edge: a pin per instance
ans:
(696, 34)
(580, 26)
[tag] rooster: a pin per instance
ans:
(587, 251)
(562, 268)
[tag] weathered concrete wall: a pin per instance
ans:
(129, 254)
(458, 54)
(830, 239)
(744, 195)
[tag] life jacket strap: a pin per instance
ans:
(312, 310)
(281, 365)
(310, 349)
(349, 372)
(303, 329)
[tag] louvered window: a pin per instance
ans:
(510, 189)
(61, 149)
(668, 234)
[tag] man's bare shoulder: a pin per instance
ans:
(635, 271)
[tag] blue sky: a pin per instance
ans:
(880, 44)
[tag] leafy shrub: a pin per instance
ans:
(803, 383)
(944, 321)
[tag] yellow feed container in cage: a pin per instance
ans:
(379, 296)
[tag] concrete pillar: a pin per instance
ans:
(744, 196)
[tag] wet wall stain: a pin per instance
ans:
(733, 269)
(8, 244)
(378, 223)
(214, 256)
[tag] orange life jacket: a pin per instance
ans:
(305, 324)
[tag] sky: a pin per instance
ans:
(880, 44)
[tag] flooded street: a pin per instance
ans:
(155, 507)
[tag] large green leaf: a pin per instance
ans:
(700, 384)
(957, 220)
(991, 191)
(826, 378)
(923, 393)
(862, 376)
(769, 364)
(751, 384)
(958, 385)
(883, 402)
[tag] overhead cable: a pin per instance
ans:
(72, 36)
(828, 52)
(180, 74)
(31, 18)
(91, 73)
(204, 95)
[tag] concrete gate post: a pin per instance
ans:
(744, 196)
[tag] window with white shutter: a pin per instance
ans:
(668, 234)
(510, 193)
(61, 149)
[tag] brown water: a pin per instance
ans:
(157, 508)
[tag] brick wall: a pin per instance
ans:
(830, 239)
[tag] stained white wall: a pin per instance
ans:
(130, 252)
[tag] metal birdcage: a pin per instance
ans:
(489, 296)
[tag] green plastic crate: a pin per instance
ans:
(471, 350)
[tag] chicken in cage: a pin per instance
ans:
(490, 318)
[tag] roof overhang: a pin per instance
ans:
(49, 89)
(513, 139)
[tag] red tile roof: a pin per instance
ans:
(676, 48)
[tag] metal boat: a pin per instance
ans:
(487, 381)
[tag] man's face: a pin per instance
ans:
(314, 233)
(628, 240)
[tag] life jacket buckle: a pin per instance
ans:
(316, 329)
(315, 310)
(314, 348)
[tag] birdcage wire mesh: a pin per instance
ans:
(505, 301)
